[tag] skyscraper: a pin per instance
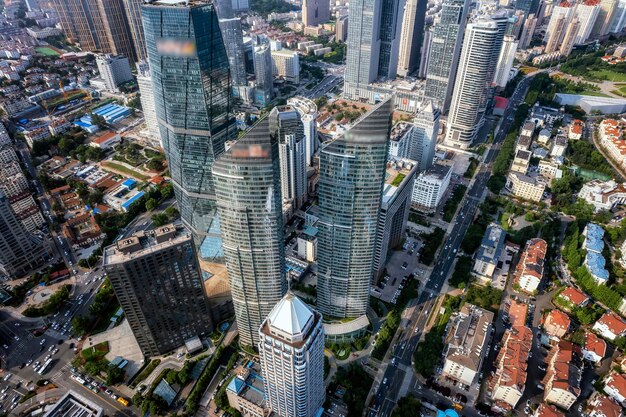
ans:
(604, 18)
(352, 172)
(505, 61)
(445, 49)
(263, 72)
(425, 55)
(373, 43)
(286, 126)
(117, 29)
(618, 20)
(191, 82)
(20, 252)
(411, 36)
(473, 79)
(249, 203)
(559, 21)
(527, 31)
(114, 70)
(315, 12)
(233, 39)
(82, 23)
(570, 37)
(133, 13)
(423, 137)
(586, 12)
(292, 359)
(156, 278)
(308, 114)
(144, 82)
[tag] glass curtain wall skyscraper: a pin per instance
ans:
(445, 49)
(133, 12)
(249, 202)
(192, 93)
(352, 174)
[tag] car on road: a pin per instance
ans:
(7, 376)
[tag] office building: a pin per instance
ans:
(604, 18)
(562, 380)
(528, 30)
(373, 43)
(587, 13)
(287, 128)
(291, 349)
(467, 343)
(505, 61)
(471, 84)
(423, 137)
(489, 253)
(157, 280)
(526, 6)
(233, 40)
(249, 203)
(315, 12)
(307, 110)
(286, 64)
(133, 14)
(192, 108)
(559, 21)
(394, 209)
(529, 270)
(263, 72)
(20, 251)
(72, 404)
(341, 29)
(430, 186)
(352, 172)
(144, 81)
(114, 70)
(411, 37)
(117, 28)
(445, 49)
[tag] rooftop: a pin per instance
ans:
(617, 382)
(546, 410)
(492, 244)
(74, 405)
(557, 318)
(604, 406)
(523, 154)
(613, 322)
(562, 370)
(532, 259)
(595, 263)
(594, 344)
(249, 384)
(574, 296)
(517, 313)
(437, 171)
(290, 320)
(468, 336)
(594, 238)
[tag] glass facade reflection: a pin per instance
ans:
(191, 82)
(352, 173)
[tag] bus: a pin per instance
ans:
(123, 401)
(44, 368)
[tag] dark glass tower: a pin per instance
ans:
(191, 81)
(247, 184)
(352, 174)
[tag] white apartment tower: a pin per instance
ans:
(307, 110)
(411, 36)
(315, 12)
(587, 12)
(286, 64)
(144, 81)
(291, 349)
(559, 20)
(423, 136)
(472, 82)
(527, 31)
(263, 72)
(114, 70)
(505, 61)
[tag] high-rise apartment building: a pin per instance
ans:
(233, 39)
(618, 21)
(352, 172)
(472, 82)
(291, 349)
(144, 81)
(133, 14)
(263, 72)
(587, 13)
(423, 137)
(445, 49)
(191, 86)
(286, 64)
(411, 36)
(570, 37)
(528, 31)
(114, 70)
(373, 43)
(604, 18)
(249, 203)
(117, 28)
(307, 110)
(557, 26)
(341, 29)
(286, 126)
(315, 12)
(425, 54)
(505, 61)
(157, 280)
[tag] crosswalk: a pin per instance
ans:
(59, 375)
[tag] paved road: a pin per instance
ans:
(387, 392)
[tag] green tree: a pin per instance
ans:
(408, 406)
(98, 120)
(151, 204)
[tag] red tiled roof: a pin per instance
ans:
(102, 139)
(517, 313)
(574, 296)
(594, 344)
(558, 319)
(606, 407)
(617, 382)
(614, 323)
(546, 410)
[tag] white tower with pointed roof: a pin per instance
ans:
(291, 348)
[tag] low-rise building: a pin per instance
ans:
(521, 161)
(246, 392)
(602, 406)
(575, 131)
(400, 139)
(529, 270)
(431, 185)
(523, 142)
(544, 136)
(603, 195)
(560, 146)
(562, 380)
(549, 169)
(546, 410)
(487, 258)
(573, 297)
(594, 260)
(594, 349)
(525, 187)
(609, 133)
(528, 128)
(123, 195)
(556, 323)
(467, 342)
(610, 326)
(307, 244)
(106, 141)
(615, 387)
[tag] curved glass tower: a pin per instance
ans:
(352, 174)
(247, 185)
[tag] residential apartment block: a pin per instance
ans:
(431, 185)
(610, 326)
(562, 380)
(488, 255)
(525, 187)
(529, 270)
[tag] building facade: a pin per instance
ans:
(291, 349)
(144, 81)
(117, 28)
(286, 64)
(133, 13)
(505, 61)
(307, 110)
(352, 171)
(423, 139)
(233, 40)
(156, 278)
(249, 203)
(411, 37)
(431, 185)
(114, 70)
(263, 72)
(315, 12)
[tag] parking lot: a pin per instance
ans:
(401, 264)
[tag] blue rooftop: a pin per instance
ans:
(112, 112)
(236, 385)
(131, 200)
(129, 183)
(492, 244)
(594, 235)
(447, 413)
(595, 265)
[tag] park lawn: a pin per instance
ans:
(621, 90)
(96, 352)
(123, 169)
(606, 74)
(45, 51)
